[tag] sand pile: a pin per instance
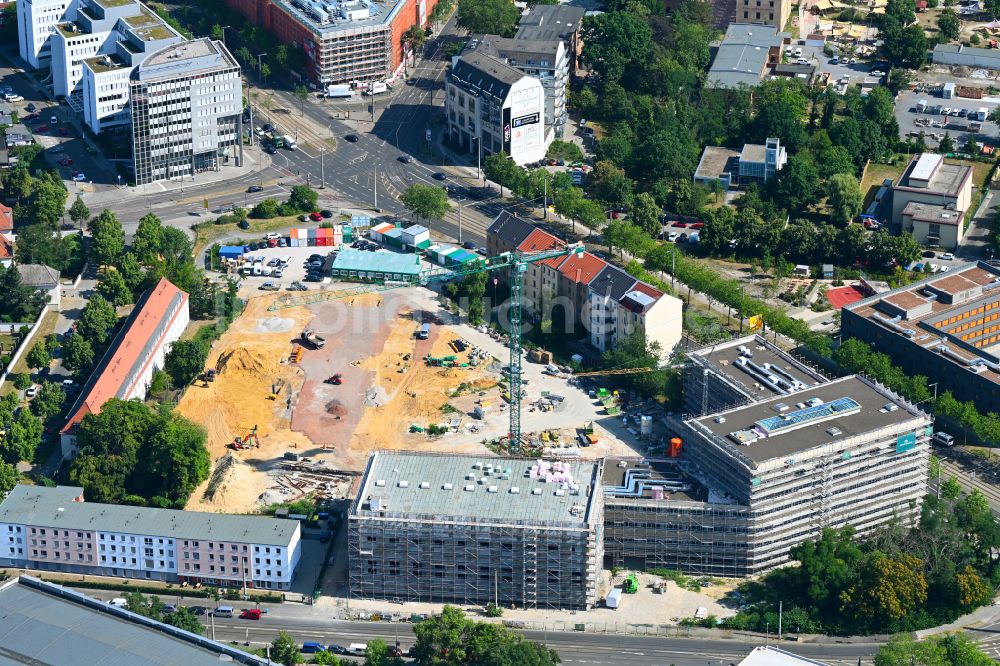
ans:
(232, 481)
(336, 408)
(247, 362)
(376, 397)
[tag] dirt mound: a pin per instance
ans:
(246, 363)
(274, 325)
(336, 408)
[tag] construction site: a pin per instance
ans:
(297, 394)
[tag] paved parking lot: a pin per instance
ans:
(906, 114)
(294, 271)
(856, 72)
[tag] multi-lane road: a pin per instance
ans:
(573, 648)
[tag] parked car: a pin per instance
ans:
(326, 214)
(80, 177)
(198, 610)
(254, 188)
(351, 138)
(269, 286)
(947, 256)
(42, 128)
(57, 149)
(268, 127)
(53, 120)
(405, 159)
(30, 108)
(31, 391)
(315, 216)
(272, 234)
(63, 131)
(250, 614)
(244, 224)
(439, 176)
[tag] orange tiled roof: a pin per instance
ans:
(6, 219)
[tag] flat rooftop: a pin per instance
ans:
(380, 262)
(782, 426)
(937, 311)
(716, 161)
(452, 488)
(629, 478)
(105, 63)
(47, 624)
(944, 178)
(724, 359)
(932, 213)
(59, 507)
(380, 13)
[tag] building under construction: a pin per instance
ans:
(741, 371)
(475, 530)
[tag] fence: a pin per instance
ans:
(10, 329)
(25, 344)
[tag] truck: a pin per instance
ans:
(338, 92)
(425, 331)
(278, 142)
(376, 87)
(289, 142)
(980, 114)
(309, 335)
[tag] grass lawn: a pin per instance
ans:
(874, 176)
(207, 233)
(47, 327)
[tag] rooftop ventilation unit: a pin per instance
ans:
(515, 490)
(404, 484)
(492, 489)
(470, 487)
(425, 484)
(380, 482)
(448, 486)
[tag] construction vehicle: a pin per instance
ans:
(296, 355)
(516, 263)
(631, 584)
(207, 376)
(336, 380)
(310, 336)
(276, 389)
(248, 442)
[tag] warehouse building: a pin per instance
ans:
(375, 266)
(475, 530)
(945, 327)
(126, 370)
(845, 452)
(741, 371)
(45, 623)
(54, 529)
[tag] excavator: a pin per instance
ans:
(248, 442)
(336, 380)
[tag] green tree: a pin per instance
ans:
(9, 477)
(113, 288)
(635, 351)
(78, 355)
(377, 654)
(131, 272)
(265, 210)
(22, 381)
(426, 201)
(844, 197)
(303, 198)
(49, 401)
(302, 94)
(265, 71)
(502, 170)
(414, 37)
(645, 214)
(97, 320)
(18, 302)
(108, 237)
(781, 107)
(147, 239)
(796, 185)
(41, 244)
(491, 17)
(615, 43)
(610, 185)
(79, 212)
(888, 588)
(183, 618)
(948, 24)
(185, 361)
(284, 650)
(24, 436)
(904, 46)
(947, 144)
(39, 356)
(151, 608)
(329, 658)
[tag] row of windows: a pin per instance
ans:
(970, 313)
(973, 324)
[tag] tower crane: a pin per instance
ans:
(518, 263)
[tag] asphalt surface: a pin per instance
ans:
(573, 648)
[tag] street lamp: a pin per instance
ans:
(322, 170)
(259, 66)
(224, 33)
(479, 158)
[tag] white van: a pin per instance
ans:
(118, 602)
(223, 611)
(357, 648)
(285, 260)
(944, 439)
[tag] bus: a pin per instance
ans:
(425, 331)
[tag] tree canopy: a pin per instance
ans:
(449, 639)
(426, 201)
(490, 17)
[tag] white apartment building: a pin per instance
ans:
(493, 107)
(36, 23)
(54, 529)
(619, 305)
(186, 111)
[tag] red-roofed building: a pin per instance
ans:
(6, 252)
(539, 286)
(572, 275)
(6, 222)
(126, 370)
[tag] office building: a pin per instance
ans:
(139, 348)
(352, 41)
(492, 107)
(477, 530)
(170, 141)
(742, 371)
(845, 452)
(36, 23)
(54, 529)
(585, 291)
(944, 327)
(45, 623)
(756, 163)
(548, 23)
(764, 12)
(930, 200)
(746, 55)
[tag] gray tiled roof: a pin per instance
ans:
(742, 55)
(46, 624)
(614, 279)
(550, 22)
(38, 275)
(510, 229)
(54, 508)
(487, 73)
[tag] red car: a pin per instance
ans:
(66, 161)
(63, 131)
(43, 128)
(315, 216)
(698, 225)
(250, 614)
(679, 224)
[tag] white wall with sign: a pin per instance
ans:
(523, 121)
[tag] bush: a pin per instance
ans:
(265, 210)
(22, 381)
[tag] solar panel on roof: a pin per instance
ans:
(775, 424)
